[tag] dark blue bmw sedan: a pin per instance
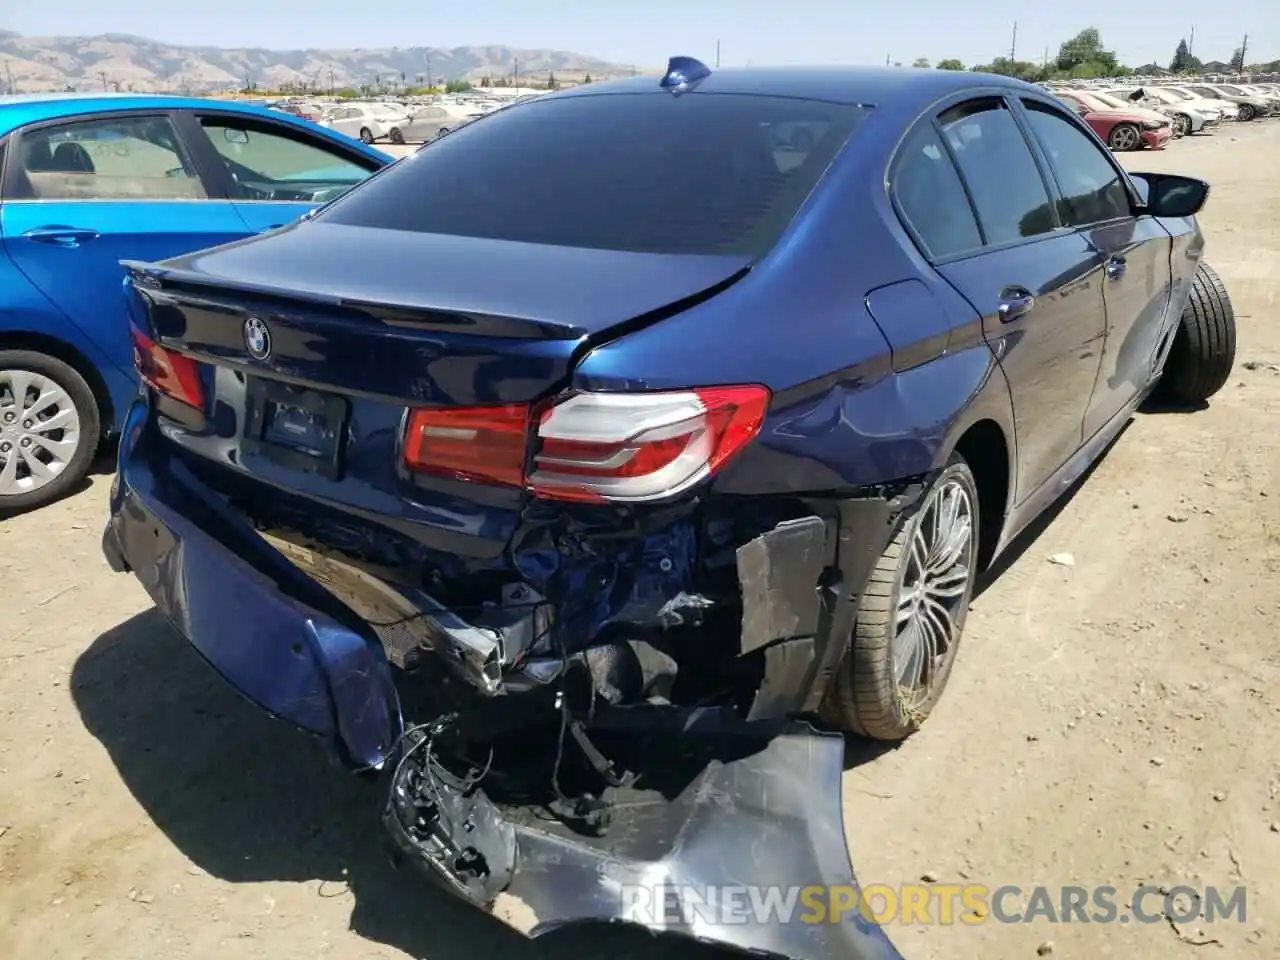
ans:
(584, 476)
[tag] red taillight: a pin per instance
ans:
(642, 446)
(169, 373)
(592, 447)
(481, 444)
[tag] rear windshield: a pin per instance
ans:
(652, 173)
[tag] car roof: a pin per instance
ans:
(898, 87)
(20, 109)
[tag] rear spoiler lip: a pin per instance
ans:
(194, 287)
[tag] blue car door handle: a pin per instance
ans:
(1115, 267)
(1015, 302)
(62, 236)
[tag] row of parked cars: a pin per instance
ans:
(1133, 117)
(392, 122)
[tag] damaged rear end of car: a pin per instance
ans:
(378, 502)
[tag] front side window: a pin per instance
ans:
(120, 158)
(649, 172)
(267, 164)
(996, 162)
(1092, 189)
(931, 197)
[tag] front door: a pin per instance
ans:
(81, 196)
(277, 172)
(1097, 204)
(1038, 287)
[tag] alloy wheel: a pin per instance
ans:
(1124, 138)
(39, 431)
(934, 589)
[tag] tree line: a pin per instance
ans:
(1084, 57)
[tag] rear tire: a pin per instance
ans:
(871, 693)
(1246, 112)
(29, 454)
(366, 135)
(396, 136)
(1204, 346)
(1181, 125)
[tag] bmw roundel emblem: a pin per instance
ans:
(257, 338)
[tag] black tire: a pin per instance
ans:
(86, 406)
(1247, 112)
(1123, 133)
(396, 135)
(366, 135)
(864, 696)
(1181, 125)
(442, 132)
(1204, 346)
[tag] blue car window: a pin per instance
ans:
(996, 162)
(269, 165)
(646, 172)
(931, 197)
(1092, 189)
(118, 158)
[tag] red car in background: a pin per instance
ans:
(1122, 129)
(305, 111)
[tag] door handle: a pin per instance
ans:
(1115, 267)
(62, 236)
(1015, 302)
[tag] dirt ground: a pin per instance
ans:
(1111, 721)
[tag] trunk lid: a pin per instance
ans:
(313, 342)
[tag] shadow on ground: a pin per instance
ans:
(249, 800)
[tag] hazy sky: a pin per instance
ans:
(646, 32)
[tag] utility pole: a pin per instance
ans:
(8, 72)
(717, 54)
(886, 59)
(429, 84)
(1244, 48)
(1191, 44)
(102, 75)
(1013, 46)
(331, 86)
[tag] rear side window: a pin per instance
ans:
(699, 173)
(1002, 176)
(117, 158)
(1092, 189)
(931, 198)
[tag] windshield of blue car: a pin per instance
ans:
(654, 173)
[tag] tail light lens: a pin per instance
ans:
(481, 444)
(591, 447)
(172, 374)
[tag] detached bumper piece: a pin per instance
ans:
(760, 819)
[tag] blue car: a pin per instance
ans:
(585, 477)
(89, 180)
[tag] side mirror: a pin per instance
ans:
(1170, 195)
(235, 136)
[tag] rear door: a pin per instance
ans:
(1097, 204)
(81, 195)
(274, 172)
(1037, 286)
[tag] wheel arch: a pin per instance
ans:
(985, 436)
(72, 356)
(988, 453)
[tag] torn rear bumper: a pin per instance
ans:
(280, 640)
(750, 854)
(725, 853)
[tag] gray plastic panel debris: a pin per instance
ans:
(779, 573)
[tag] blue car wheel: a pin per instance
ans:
(911, 615)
